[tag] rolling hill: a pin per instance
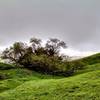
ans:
(91, 59)
(23, 84)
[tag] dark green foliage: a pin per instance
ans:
(4, 66)
(77, 65)
(40, 51)
(41, 63)
(74, 66)
(3, 76)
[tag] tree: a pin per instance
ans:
(19, 48)
(53, 46)
(14, 52)
(36, 43)
(40, 51)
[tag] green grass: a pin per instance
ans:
(93, 59)
(23, 84)
(89, 68)
(16, 77)
(80, 87)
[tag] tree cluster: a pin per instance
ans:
(42, 58)
(19, 49)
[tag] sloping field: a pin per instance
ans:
(25, 85)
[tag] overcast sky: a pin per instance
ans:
(77, 22)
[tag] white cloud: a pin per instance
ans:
(2, 48)
(73, 52)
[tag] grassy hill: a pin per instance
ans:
(22, 84)
(93, 59)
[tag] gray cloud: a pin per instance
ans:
(75, 21)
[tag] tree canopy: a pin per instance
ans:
(19, 49)
(45, 59)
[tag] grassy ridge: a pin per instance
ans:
(91, 59)
(25, 85)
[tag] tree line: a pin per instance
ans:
(45, 59)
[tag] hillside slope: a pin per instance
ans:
(93, 59)
(85, 85)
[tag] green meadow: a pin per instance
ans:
(25, 84)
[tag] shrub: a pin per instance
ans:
(41, 63)
(74, 66)
(51, 65)
(4, 66)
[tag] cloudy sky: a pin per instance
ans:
(77, 22)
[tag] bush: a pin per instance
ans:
(41, 63)
(4, 66)
(51, 65)
(73, 66)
